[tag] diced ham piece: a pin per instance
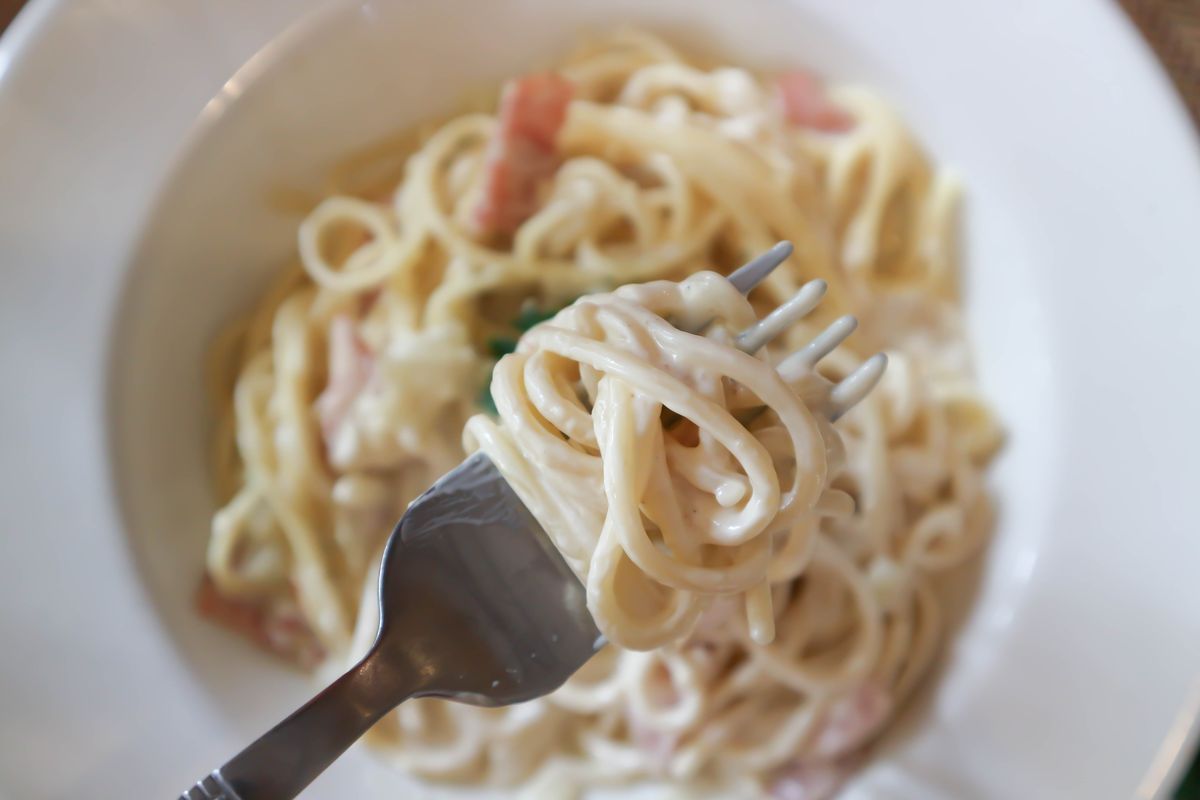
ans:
(288, 634)
(522, 153)
(657, 745)
(848, 725)
(806, 104)
(283, 632)
(368, 299)
(803, 780)
(852, 721)
(351, 364)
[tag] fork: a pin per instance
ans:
(475, 603)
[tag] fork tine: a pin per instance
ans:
(844, 395)
(783, 317)
(822, 345)
(854, 387)
(750, 274)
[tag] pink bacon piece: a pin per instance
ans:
(284, 633)
(804, 780)
(806, 104)
(848, 725)
(852, 721)
(351, 364)
(657, 745)
(523, 151)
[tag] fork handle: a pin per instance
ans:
(291, 755)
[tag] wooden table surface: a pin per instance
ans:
(1173, 28)
(8, 10)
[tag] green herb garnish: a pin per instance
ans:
(500, 346)
(485, 401)
(531, 315)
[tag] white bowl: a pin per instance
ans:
(141, 145)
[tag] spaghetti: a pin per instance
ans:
(769, 583)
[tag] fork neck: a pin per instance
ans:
(288, 757)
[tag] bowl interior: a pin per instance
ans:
(346, 77)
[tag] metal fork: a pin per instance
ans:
(475, 604)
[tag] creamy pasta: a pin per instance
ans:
(766, 578)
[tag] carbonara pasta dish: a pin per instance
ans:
(542, 281)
